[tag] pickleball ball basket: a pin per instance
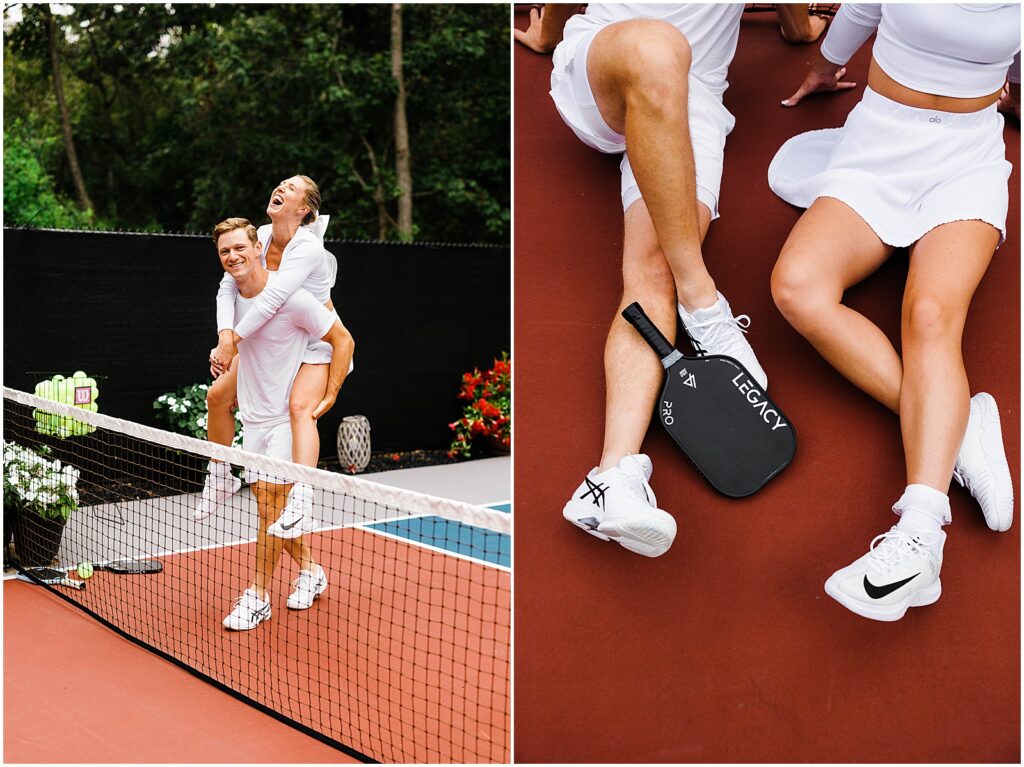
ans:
(79, 390)
(354, 443)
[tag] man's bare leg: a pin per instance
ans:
(633, 374)
(638, 72)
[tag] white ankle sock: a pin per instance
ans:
(922, 508)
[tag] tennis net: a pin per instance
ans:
(405, 657)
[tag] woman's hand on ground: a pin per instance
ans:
(820, 80)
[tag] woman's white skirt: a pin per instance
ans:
(904, 170)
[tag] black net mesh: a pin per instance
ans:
(404, 657)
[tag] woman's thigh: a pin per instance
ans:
(225, 387)
(831, 248)
(947, 264)
(309, 387)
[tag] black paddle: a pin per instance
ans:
(132, 566)
(719, 415)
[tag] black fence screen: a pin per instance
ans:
(137, 311)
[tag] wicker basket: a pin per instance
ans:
(354, 443)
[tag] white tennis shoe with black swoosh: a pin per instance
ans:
(619, 505)
(900, 570)
(297, 517)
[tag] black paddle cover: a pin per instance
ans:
(718, 414)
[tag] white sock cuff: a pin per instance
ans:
(927, 500)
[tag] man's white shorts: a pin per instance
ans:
(273, 441)
(710, 121)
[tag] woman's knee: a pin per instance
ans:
(301, 404)
(798, 292)
(928, 319)
(220, 396)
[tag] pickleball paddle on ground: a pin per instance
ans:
(731, 430)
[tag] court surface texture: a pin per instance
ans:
(726, 649)
(120, 703)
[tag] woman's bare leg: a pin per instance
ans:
(307, 392)
(830, 249)
(946, 266)
(220, 402)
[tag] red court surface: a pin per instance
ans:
(76, 692)
(404, 658)
(727, 649)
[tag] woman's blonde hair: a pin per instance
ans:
(311, 199)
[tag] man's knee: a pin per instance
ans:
(656, 60)
(658, 57)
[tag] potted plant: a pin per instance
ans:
(39, 496)
(488, 414)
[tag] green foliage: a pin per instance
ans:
(34, 484)
(185, 114)
(29, 195)
(184, 410)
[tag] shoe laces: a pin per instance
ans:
(720, 333)
(897, 547)
(304, 581)
(248, 601)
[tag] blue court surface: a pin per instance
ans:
(475, 543)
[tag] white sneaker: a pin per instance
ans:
(981, 465)
(715, 331)
(250, 611)
(297, 517)
(900, 570)
(308, 586)
(619, 505)
(220, 485)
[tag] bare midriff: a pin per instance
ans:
(884, 85)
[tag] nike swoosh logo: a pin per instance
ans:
(877, 592)
(293, 524)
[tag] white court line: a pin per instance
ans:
(438, 549)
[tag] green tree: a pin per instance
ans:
(184, 114)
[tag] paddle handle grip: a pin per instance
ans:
(635, 316)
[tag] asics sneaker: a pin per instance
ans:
(297, 517)
(308, 586)
(715, 331)
(220, 485)
(981, 465)
(250, 611)
(619, 505)
(900, 570)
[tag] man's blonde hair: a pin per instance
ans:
(311, 199)
(230, 225)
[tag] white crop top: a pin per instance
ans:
(945, 49)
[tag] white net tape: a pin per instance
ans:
(407, 500)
